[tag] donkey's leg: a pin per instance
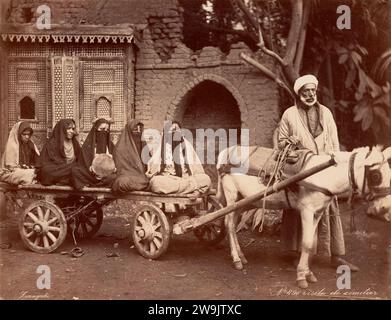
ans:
(310, 276)
(231, 194)
(240, 252)
(307, 221)
(233, 243)
(247, 186)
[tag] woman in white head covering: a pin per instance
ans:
(20, 156)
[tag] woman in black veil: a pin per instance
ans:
(95, 167)
(59, 154)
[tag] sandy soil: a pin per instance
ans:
(189, 269)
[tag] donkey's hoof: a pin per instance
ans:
(310, 277)
(244, 260)
(302, 284)
(238, 265)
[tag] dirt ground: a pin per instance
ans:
(189, 269)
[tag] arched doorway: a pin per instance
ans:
(209, 105)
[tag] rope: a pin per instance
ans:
(275, 176)
(73, 231)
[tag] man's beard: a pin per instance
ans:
(307, 101)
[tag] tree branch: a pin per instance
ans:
(267, 72)
(271, 53)
(257, 27)
(249, 17)
(303, 32)
(294, 31)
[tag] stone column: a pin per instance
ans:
(3, 80)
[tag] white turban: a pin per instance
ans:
(300, 82)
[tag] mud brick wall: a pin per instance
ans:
(166, 70)
(162, 86)
(93, 12)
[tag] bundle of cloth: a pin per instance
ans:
(95, 167)
(20, 156)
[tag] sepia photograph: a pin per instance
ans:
(215, 151)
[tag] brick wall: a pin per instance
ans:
(163, 85)
(95, 12)
(166, 70)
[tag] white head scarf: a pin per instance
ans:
(10, 158)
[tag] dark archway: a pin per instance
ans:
(209, 105)
(27, 108)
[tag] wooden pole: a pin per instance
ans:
(190, 224)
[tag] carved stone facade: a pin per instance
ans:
(69, 80)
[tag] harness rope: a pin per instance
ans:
(353, 193)
(276, 176)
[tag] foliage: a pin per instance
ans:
(354, 66)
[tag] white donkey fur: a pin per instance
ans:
(310, 203)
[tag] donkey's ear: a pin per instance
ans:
(378, 147)
(387, 153)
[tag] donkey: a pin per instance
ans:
(365, 170)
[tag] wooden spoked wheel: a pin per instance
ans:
(85, 225)
(151, 231)
(42, 227)
(213, 232)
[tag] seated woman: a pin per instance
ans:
(95, 167)
(59, 154)
(175, 166)
(127, 157)
(20, 156)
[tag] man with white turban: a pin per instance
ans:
(312, 125)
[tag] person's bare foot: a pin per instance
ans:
(336, 261)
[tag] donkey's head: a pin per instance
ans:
(378, 182)
(381, 208)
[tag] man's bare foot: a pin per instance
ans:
(337, 261)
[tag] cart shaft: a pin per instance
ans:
(188, 225)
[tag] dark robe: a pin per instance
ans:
(53, 165)
(28, 156)
(172, 145)
(97, 142)
(127, 156)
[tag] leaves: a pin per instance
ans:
(373, 99)
(367, 120)
(364, 113)
(356, 58)
(382, 64)
(247, 216)
(253, 217)
(258, 217)
(342, 103)
(351, 52)
(343, 58)
(351, 76)
(361, 111)
(382, 114)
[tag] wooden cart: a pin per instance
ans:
(43, 225)
(61, 210)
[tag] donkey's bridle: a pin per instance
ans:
(373, 191)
